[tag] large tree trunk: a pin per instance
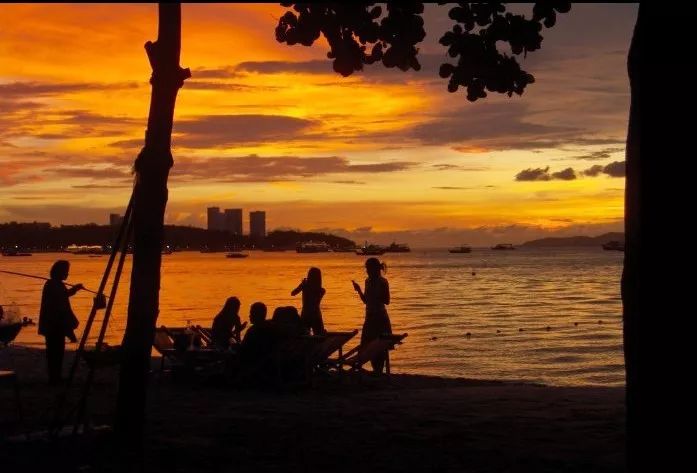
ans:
(633, 316)
(150, 199)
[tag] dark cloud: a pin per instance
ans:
(458, 167)
(502, 124)
(217, 131)
(264, 169)
(101, 186)
(222, 72)
(593, 170)
(537, 174)
(211, 85)
(567, 174)
(26, 90)
(348, 181)
(109, 173)
(598, 155)
(616, 169)
(430, 64)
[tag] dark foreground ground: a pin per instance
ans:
(414, 423)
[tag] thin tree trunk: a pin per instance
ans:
(150, 199)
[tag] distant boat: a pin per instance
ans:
(614, 246)
(235, 254)
(371, 250)
(460, 249)
(167, 250)
(398, 248)
(313, 247)
(13, 252)
(344, 250)
(503, 246)
(85, 249)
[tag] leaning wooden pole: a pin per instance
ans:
(149, 202)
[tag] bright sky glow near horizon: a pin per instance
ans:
(381, 154)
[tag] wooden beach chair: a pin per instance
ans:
(164, 344)
(355, 358)
(332, 342)
(9, 377)
(207, 334)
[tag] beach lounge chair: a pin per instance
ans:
(207, 334)
(355, 358)
(194, 357)
(9, 377)
(164, 344)
(331, 342)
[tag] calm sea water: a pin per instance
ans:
(566, 301)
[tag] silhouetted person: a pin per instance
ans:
(260, 339)
(287, 322)
(313, 292)
(227, 324)
(56, 318)
(375, 298)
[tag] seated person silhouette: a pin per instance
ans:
(227, 324)
(287, 322)
(260, 339)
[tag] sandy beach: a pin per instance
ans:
(413, 423)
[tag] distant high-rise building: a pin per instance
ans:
(233, 221)
(215, 219)
(257, 224)
(115, 219)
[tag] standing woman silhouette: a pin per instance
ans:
(313, 292)
(375, 298)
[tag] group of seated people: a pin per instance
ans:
(263, 335)
(260, 339)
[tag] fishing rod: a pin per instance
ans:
(46, 279)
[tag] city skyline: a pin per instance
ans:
(271, 126)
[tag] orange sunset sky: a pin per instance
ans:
(379, 155)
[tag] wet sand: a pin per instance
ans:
(413, 423)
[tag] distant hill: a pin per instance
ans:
(43, 237)
(575, 241)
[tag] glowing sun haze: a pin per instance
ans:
(261, 125)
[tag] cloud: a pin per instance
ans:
(254, 168)
(458, 167)
(217, 131)
(593, 171)
(25, 90)
(616, 169)
(567, 174)
(537, 174)
(598, 155)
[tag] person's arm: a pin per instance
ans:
(298, 289)
(322, 292)
(387, 292)
(357, 288)
(73, 290)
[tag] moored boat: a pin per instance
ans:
(371, 250)
(503, 246)
(614, 246)
(398, 248)
(460, 249)
(313, 247)
(236, 254)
